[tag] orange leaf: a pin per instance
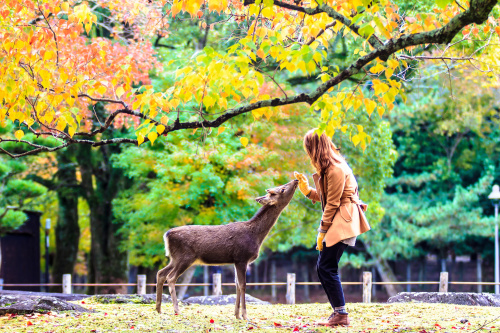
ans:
(261, 54)
(220, 130)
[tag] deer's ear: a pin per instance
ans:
(265, 200)
(272, 191)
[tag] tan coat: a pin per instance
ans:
(338, 194)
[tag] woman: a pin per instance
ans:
(343, 218)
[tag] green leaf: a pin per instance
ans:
(366, 31)
(443, 3)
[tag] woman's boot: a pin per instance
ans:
(339, 319)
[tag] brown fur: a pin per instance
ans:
(235, 243)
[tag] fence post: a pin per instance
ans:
(273, 280)
(217, 284)
(66, 284)
(290, 288)
(443, 282)
(205, 280)
(141, 284)
(367, 287)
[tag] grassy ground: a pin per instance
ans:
(424, 318)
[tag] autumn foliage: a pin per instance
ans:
(58, 59)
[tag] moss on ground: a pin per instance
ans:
(409, 317)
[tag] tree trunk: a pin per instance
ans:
(107, 263)
(387, 275)
(479, 262)
(305, 277)
(408, 275)
(67, 230)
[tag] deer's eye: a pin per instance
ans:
(282, 190)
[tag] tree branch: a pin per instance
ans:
(373, 40)
(477, 13)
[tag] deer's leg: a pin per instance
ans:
(238, 295)
(241, 270)
(172, 277)
(161, 277)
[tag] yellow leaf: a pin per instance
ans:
(160, 129)
(137, 104)
(71, 131)
(330, 130)
(377, 68)
(48, 55)
(220, 130)
(363, 145)
(194, 131)
(120, 91)
(393, 63)
(257, 113)
(152, 136)
(102, 90)
(140, 139)
(356, 139)
(61, 124)
(380, 111)
(379, 87)
(19, 134)
(370, 106)
(360, 128)
(65, 6)
(388, 72)
(30, 122)
(244, 141)
(344, 128)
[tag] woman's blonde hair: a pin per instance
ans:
(321, 150)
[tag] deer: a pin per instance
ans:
(235, 243)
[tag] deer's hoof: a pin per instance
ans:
(158, 309)
(237, 316)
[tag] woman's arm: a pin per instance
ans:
(313, 195)
(335, 180)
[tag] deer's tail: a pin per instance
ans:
(165, 239)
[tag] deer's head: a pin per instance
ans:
(279, 196)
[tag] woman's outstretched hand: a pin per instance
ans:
(303, 183)
(319, 241)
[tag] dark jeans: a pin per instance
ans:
(328, 267)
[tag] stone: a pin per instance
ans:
(221, 300)
(474, 299)
(128, 299)
(64, 297)
(24, 304)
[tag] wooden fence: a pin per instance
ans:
(67, 285)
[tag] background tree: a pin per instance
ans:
(15, 194)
